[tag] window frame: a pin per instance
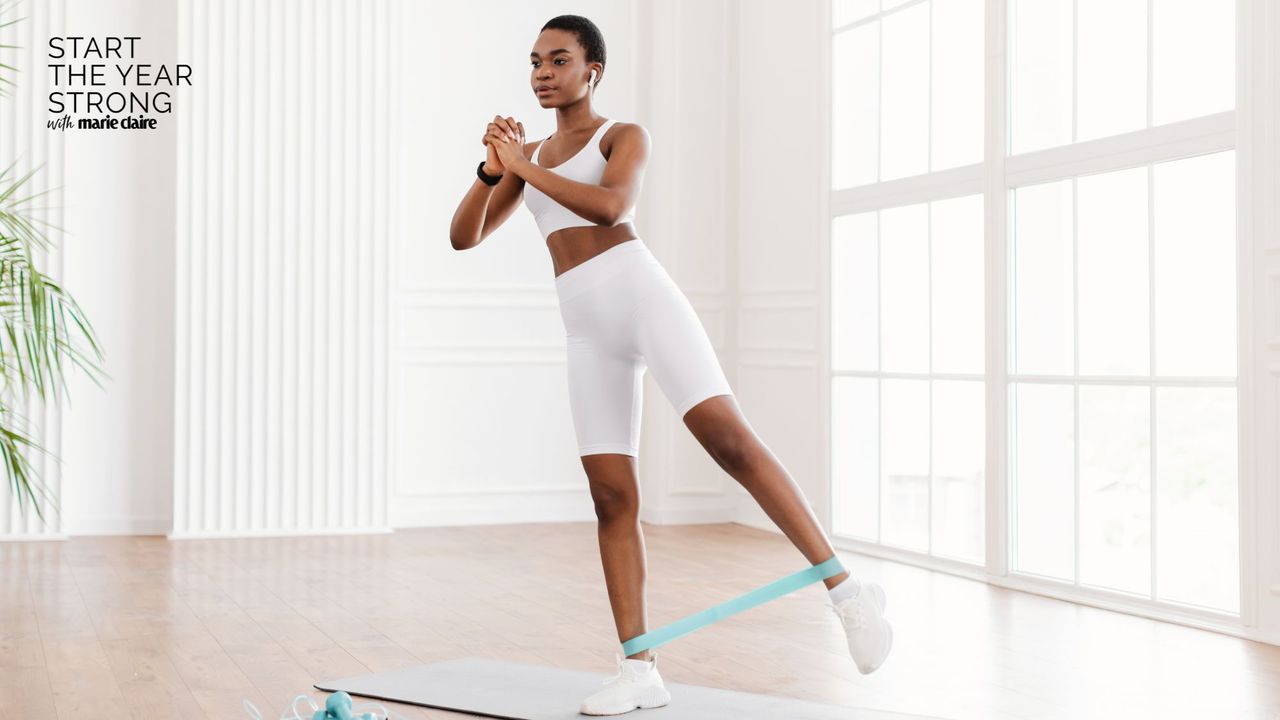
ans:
(994, 179)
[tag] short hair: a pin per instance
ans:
(589, 36)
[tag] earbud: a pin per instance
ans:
(592, 81)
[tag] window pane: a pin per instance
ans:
(1115, 487)
(957, 85)
(905, 413)
(957, 296)
(1112, 67)
(1040, 74)
(959, 462)
(1195, 254)
(855, 451)
(1112, 246)
(1197, 515)
(1042, 319)
(904, 136)
(1194, 46)
(855, 297)
(847, 11)
(904, 283)
(855, 109)
(1043, 463)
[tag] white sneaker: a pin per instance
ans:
(868, 633)
(628, 689)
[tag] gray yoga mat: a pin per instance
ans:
(519, 691)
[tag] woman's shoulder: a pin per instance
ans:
(626, 131)
(621, 126)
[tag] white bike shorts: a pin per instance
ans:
(624, 314)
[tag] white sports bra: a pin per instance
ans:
(585, 167)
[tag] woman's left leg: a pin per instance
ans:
(719, 426)
(682, 360)
(684, 364)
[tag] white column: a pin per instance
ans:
(28, 146)
(286, 216)
(1258, 182)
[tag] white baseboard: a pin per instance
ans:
(447, 510)
(32, 537)
(687, 515)
(117, 525)
(282, 532)
(452, 509)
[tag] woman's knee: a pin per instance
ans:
(732, 448)
(719, 427)
(615, 502)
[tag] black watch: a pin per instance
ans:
(486, 178)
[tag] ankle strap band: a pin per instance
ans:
(759, 596)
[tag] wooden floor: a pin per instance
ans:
(142, 627)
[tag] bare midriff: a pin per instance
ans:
(575, 245)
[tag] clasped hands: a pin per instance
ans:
(504, 138)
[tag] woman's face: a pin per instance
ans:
(558, 69)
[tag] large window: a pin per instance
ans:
(1123, 362)
(908, 386)
(1051, 319)
(906, 90)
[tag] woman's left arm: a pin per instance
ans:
(619, 187)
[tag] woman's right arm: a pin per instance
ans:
(485, 207)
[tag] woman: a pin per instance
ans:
(622, 314)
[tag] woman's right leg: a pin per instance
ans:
(605, 396)
(606, 390)
(615, 490)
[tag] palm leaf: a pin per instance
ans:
(36, 339)
(4, 7)
(42, 328)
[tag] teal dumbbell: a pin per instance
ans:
(338, 707)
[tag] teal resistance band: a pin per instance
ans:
(759, 596)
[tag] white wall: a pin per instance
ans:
(688, 103)
(781, 222)
(113, 193)
(120, 213)
(484, 430)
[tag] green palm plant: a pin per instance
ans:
(4, 7)
(39, 322)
